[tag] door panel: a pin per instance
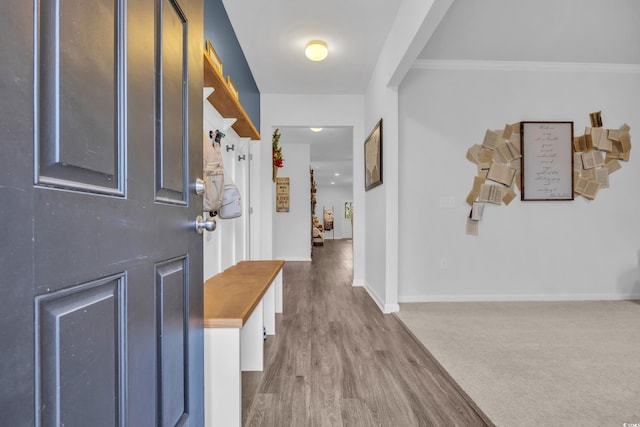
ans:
(173, 60)
(80, 379)
(101, 273)
(172, 317)
(79, 88)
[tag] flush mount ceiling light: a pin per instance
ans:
(316, 50)
(316, 129)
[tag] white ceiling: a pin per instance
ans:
(579, 31)
(273, 33)
(331, 152)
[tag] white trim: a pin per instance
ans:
(294, 258)
(569, 67)
(385, 308)
(374, 296)
(391, 308)
(357, 283)
(504, 298)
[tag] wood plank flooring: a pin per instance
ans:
(336, 360)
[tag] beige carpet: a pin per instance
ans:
(538, 363)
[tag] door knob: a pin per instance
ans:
(199, 186)
(201, 224)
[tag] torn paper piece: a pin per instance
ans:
(501, 174)
(472, 227)
(476, 211)
(490, 139)
(483, 169)
(577, 162)
(473, 152)
(507, 132)
(589, 174)
(508, 196)
(591, 159)
(491, 194)
(600, 140)
(475, 191)
(596, 119)
(602, 177)
(508, 152)
(518, 181)
(580, 143)
(586, 188)
(612, 165)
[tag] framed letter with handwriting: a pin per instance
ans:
(547, 160)
(373, 158)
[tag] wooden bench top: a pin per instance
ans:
(231, 296)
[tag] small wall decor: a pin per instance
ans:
(282, 194)
(232, 87)
(217, 63)
(348, 210)
(276, 154)
(373, 158)
(544, 161)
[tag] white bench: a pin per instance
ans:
(238, 303)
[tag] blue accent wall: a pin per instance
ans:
(218, 29)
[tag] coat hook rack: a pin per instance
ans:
(231, 147)
(243, 157)
(210, 134)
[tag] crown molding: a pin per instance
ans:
(568, 67)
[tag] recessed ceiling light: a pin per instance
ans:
(316, 50)
(316, 129)
(332, 183)
(336, 174)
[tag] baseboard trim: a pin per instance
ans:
(357, 283)
(506, 298)
(384, 307)
(293, 258)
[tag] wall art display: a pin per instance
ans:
(282, 194)
(544, 161)
(373, 158)
(547, 160)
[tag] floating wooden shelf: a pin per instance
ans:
(225, 103)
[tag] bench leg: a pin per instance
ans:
(270, 310)
(277, 283)
(252, 341)
(222, 377)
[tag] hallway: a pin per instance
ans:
(336, 360)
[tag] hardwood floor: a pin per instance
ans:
(336, 360)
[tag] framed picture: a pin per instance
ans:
(547, 160)
(348, 210)
(217, 63)
(373, 158)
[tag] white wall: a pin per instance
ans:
(334, 197)
(413, 25)
(527, 250)
(292, 230)
(228, 243)
(304, 110)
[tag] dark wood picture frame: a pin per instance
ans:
(373, 158)
(547, 160)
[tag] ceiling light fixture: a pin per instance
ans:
(336, 174)
(316, 50)
(316, 129)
